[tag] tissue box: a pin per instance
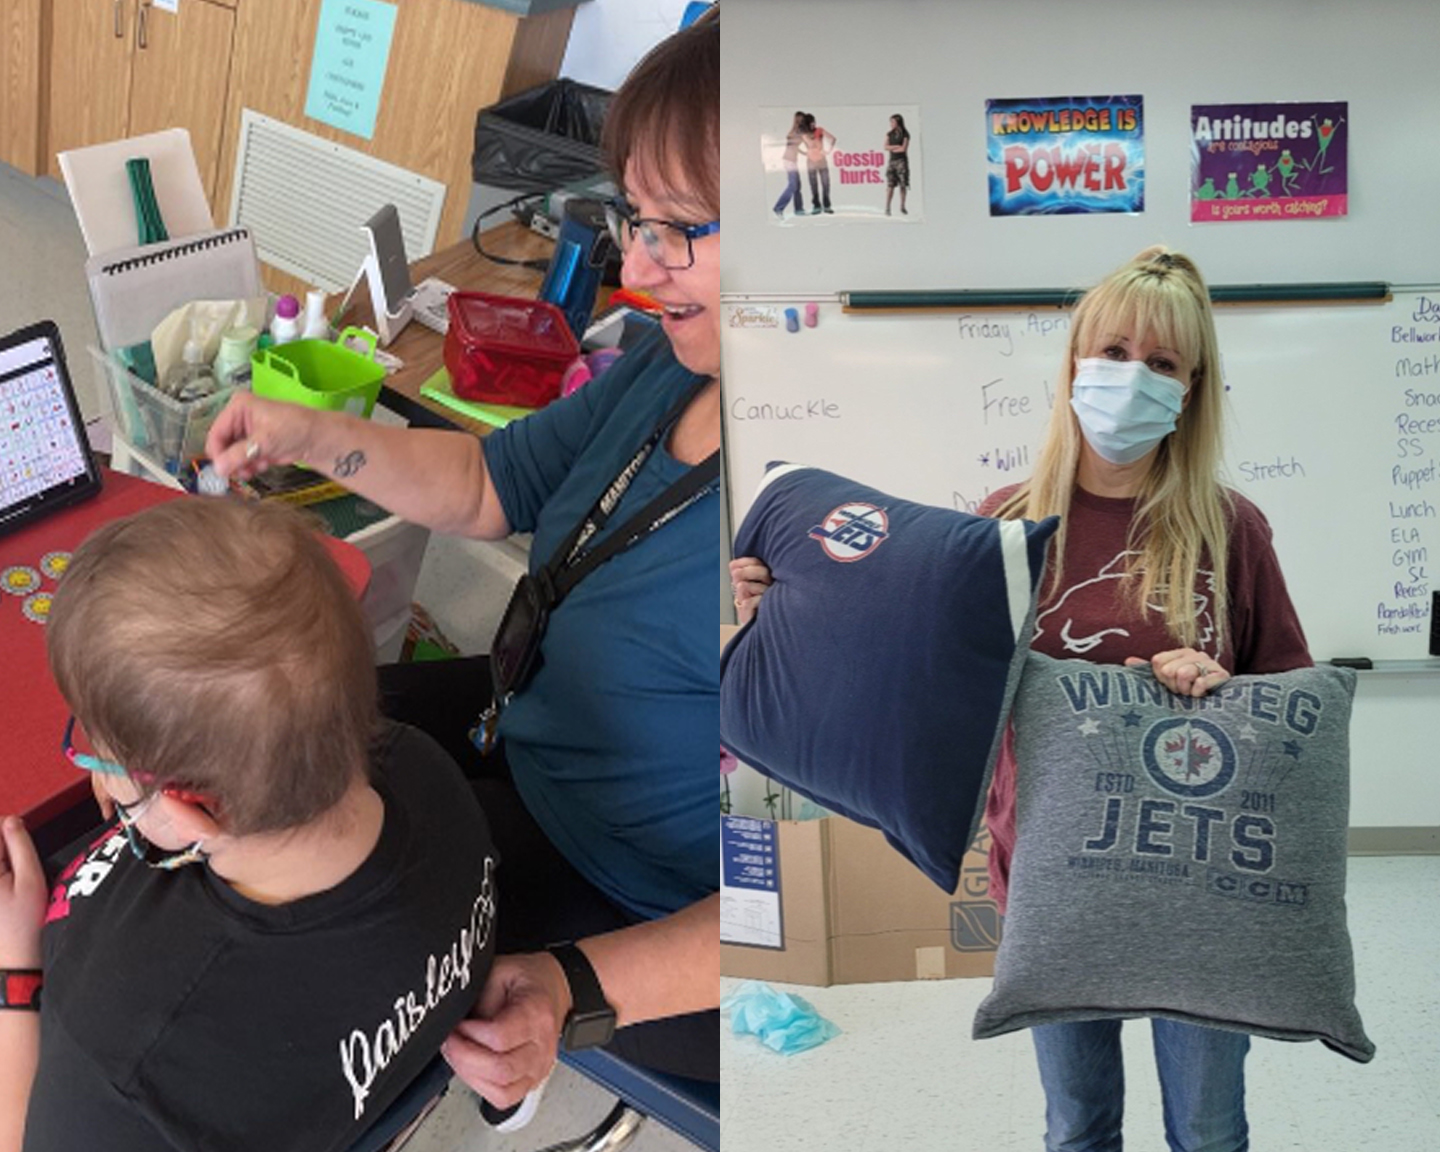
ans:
(854, 911)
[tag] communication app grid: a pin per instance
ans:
(38, 445)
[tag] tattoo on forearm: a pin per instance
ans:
(350, 463)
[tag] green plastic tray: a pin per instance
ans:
(320, 374)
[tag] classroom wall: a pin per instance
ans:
(948, 57)
(610, 36)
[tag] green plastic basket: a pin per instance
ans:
(320, 374)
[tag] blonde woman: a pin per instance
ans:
(1155, 562)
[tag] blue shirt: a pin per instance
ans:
(613, 743)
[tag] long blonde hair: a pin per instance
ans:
(1183, 511)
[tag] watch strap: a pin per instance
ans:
(20, 989)
(591, 1020)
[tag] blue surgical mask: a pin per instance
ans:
(1124, 408)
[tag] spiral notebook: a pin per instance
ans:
(134, 289)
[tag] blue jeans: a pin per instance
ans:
(792, 190)
(1202, 1084)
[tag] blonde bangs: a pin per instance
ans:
(1143, 304)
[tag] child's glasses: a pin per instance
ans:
(85, 760)
(129, 814)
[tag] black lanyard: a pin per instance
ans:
(571, 563)
(515, 651)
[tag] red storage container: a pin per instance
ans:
(506, 349)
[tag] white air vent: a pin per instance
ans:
(305, 199)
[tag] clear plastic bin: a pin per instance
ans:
(169, 431)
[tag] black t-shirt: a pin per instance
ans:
(179, 1014)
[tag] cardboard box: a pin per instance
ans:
(853, 910)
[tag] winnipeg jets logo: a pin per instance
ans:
(1189, 757)
(852, 531)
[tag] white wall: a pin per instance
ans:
(610, 36)
(949, 56)
(606, 41)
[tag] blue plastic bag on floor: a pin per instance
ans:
(784, 1022)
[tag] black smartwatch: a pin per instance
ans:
(591, 1021)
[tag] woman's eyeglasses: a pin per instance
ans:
(669, 243)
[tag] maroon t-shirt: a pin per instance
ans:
(1091, 618)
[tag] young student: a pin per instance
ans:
(295, 906)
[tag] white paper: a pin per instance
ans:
(750, 883)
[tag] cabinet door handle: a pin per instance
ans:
(119, 19)
(144, 23)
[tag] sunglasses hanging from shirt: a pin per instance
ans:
(515, 651)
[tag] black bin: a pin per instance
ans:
(542, 138)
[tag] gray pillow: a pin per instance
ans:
(1180, 858)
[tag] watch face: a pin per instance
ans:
(589, 1029)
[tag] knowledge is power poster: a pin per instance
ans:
(1066, 155)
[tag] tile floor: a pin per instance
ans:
(42, 258)
(906, 1075)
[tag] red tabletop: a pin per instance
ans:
(35, 778)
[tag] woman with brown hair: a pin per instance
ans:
(600, 790)
(897, 169)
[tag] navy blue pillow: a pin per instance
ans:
(878, 674)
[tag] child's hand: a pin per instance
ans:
(22, 897)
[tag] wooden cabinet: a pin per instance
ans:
(22, 55)
(90, 53)
(124, 67)
(181, 77)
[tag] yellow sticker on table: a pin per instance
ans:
(19, 580)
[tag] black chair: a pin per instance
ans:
(690, 1108)
(408, 1111)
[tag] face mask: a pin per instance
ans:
(144, 848)
(1124, 408)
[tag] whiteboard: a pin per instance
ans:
(949, 56)
(945, 408)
